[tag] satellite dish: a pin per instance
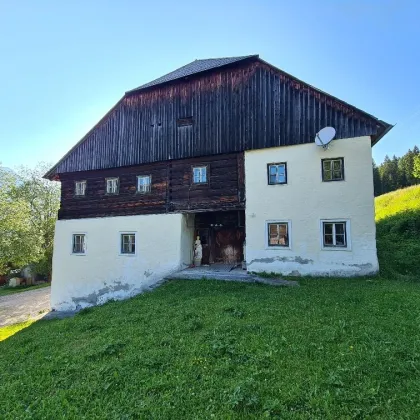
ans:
(324, 137)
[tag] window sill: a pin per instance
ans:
(277, 247)
(335, 248)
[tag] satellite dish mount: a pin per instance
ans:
(324, 137)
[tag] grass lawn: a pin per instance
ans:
(9, 330)
(6, 290)
(203, 349)
(330, 349)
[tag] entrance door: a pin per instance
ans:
(227, 245)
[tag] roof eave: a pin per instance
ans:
(386, 129)
(327, 94)
(51, 174)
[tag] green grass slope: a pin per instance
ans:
(406, 199)
(398, 233)
(330, 349)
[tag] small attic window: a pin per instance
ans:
(184, 122)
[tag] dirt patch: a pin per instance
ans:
(19, 307)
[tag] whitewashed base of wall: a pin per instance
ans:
(163, 245)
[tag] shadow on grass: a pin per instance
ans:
(398, 242)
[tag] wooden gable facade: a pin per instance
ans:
(210, 117)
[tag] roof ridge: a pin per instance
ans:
(224, 58)
(194, 67)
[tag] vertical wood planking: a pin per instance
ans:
(249, 106)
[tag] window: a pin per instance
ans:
(333, 169)
(128, 243)
(278, 234)
(277, 173)
(80, 188)
(112, 185)
(144, 184)
(200, 174)
(79, 243)
(184, 122)
(334, 234)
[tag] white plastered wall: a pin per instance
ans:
(304, 201)
(187, 240)
(163, 246)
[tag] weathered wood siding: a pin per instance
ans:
(248, 106)
(172, 189)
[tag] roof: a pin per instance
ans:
(201, 66)
(196, 66)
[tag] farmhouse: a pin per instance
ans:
(222, 149)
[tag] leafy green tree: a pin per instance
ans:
(18, 245)
(28, 211)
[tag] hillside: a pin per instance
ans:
(398, 233)
(397, 201)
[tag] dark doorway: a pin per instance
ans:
(222, 236)
(228, 245)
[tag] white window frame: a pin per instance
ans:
(277, 165)
(72, 243)
(148, 187)
(80, 188)
(200, 168)
(289, 233)
(117, 186)
(120, 243)
(348, 234)
(332, 160)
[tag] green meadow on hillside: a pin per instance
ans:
(407, 199)
(398, 233)
(329, 349)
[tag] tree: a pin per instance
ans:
(396, 173)
(416, 167)
(377, 183)
(406, 166)
(389, 174)
(17, 245)
(28, 210)
(404, 174)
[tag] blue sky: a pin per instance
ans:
(64, 64)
